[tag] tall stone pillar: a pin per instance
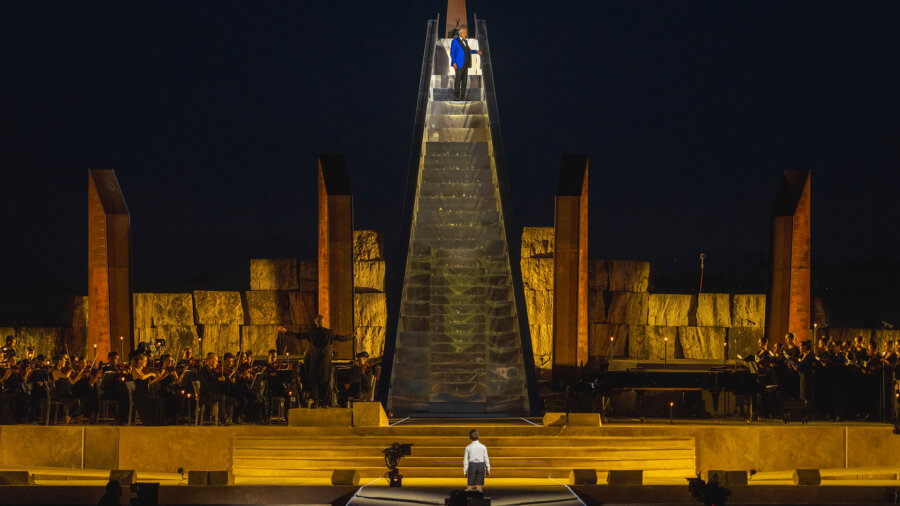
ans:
(336, 248)
(109, 266)
(456, 17)
(570, 268)
(789, 297)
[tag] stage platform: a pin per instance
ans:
(524, 454)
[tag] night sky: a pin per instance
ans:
(213, 113)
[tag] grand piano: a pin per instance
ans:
(647, 376)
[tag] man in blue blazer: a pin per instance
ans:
(461, 59)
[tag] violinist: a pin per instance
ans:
(149, 407)
(187, 358)
(64, 377)
(213, 386)
(250, 406)
(112, 362)
(167, 387)
(13, 401)
(84, 387)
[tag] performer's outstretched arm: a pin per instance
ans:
(298, 335)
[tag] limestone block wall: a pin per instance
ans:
(626, 320)
(283, 292)
(537, 280)
(369, 300)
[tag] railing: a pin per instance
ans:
(395, 273)
(510, 225)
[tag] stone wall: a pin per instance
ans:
(537, 280)
(626, 320)
(369, 301)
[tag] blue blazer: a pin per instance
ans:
(458, 54)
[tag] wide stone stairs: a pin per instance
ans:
(520, 452)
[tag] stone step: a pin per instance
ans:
(457, 134)
(447, 95)
(456, 188)
(253, 475)
(442, 108)
(457, 149)
(447, 81)
(458, 121)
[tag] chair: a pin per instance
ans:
(53, 408)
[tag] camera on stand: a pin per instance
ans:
(392, 456)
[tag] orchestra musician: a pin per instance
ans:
(63, 378)
(212, 387)
(149, 407)
(168, 387)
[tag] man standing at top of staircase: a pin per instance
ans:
(461, 59)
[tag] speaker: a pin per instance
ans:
(217, 478)
(125, 477)
(345, 477)
(583, 477)
(727, 478)
(16, 478)
(199, 478)
(625, 477)
(807, 477)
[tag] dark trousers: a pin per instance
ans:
(459, 85)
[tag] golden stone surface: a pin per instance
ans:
(161, 309)
(45, 340)
(714, 310)
(537, 273)
(370, 340)
(259, 338)
(650, 342)
(221, 338)
(177, 337)
(539, 306)
(629, 308)
(672, 310)
(279, 307)
(596, 307)
(702, 342)
(628, 275)
(368, 275)
(370, 309)
(748, 310)
(598, 275)
(537, 242)
(367, 245)
(273, 274)
(218, 308)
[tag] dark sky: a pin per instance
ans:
(212, 114)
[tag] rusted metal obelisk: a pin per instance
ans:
(336, 249)
(789, 297)
(570, 269)
(109, 266)
(456, 17)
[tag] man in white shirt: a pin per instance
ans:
(476, 464)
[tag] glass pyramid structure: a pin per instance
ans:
(459, 347)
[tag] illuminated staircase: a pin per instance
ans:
(519, 454)
(458, 342)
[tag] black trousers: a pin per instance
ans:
(459, 85)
